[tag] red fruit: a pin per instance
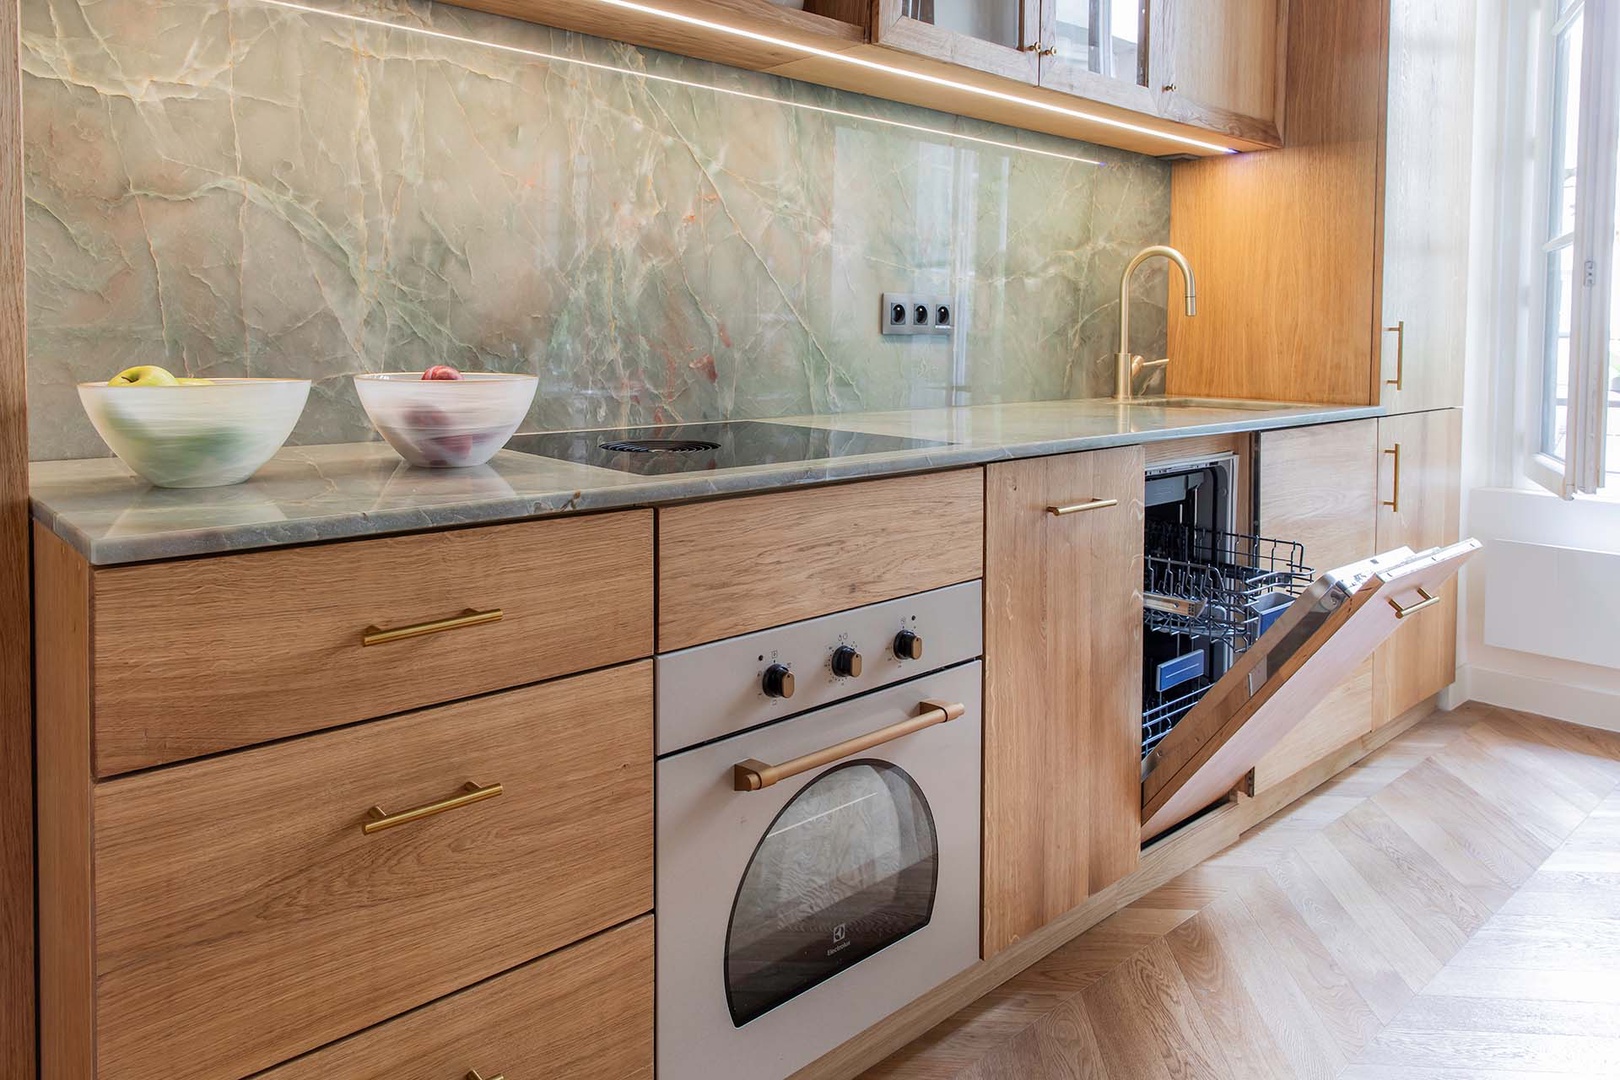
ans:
(441, 373)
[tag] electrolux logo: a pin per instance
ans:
(840, 936)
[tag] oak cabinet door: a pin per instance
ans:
(1218, 64)
(1063, 684)
(1428, 146)
(1421, 482)
(998, 37)
(1319, 486)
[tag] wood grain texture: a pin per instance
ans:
(1284, 242)
(736, 565)
(1222, 59)
(1307, 948)
(880, 71)
(1421, 658)
(585, 1013)
(1428, 156)
(63, 617)
(1319, 486)
(1062, 731)
(205, 655)
(17, 1009)
(240, 894)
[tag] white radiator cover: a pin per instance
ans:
(1554, 601)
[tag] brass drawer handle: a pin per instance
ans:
(1412, 609)
(376, 635)
(1094, 504)
(473, 1075)
(1399, 330)
(753, 775)
(1394, 501)
(378, 819)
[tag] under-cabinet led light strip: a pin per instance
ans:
(537, 54)
(935, 80)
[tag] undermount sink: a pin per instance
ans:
(1208, 403)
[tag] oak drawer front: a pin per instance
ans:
(730, 567)
(243, 915)
(585, 1013)
(206, 655)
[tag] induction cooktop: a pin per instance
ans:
(688, 448)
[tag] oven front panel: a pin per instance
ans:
(792, 918)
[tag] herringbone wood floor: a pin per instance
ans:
(1448, 908)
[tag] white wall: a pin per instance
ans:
(1498, 503)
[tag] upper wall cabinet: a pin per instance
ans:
(1161, 77)
(1335, 269)
(1208, 64)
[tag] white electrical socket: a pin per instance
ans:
(917, 313)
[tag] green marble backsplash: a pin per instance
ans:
(249, 187)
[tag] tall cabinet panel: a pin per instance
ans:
(1428, 141)
(1063, 692)
(1319, 486)
(1421, 490)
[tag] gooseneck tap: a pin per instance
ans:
(1127, 366)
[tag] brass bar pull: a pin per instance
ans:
(473, 1075)
(752, 775)
(1413, 609)
(1394, 501)
(378, 819)
(376, 635)
(1399, 330)
(1075, 508)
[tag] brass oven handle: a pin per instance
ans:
(1399, 330)
(1394, 501)
(1413, 609)
(378, 819)
(376, 635)
(1075, 508)
(473, 1075)
(752, 775)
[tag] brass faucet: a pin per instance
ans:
(1127, 365)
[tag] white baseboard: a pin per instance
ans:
(1561, 701)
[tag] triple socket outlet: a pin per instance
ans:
(917, 313)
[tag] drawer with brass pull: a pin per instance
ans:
(288, 895)
(585, 1013)
(200, 656)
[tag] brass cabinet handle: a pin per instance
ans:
(1394, 501)
(473, 1075)
(1413, 609)
(752, 775)
(376, 635)
(1050, 50)
(378, 819)
(1075, 508)
(1399, 330)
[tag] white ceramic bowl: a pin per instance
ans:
(444, 423)
(200, 435)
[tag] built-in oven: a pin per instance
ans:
(817, 831)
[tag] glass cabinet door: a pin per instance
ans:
(849, 867)
(1104, 37)
(1001, 37)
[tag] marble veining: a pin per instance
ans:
(316, 493)
(253, 187)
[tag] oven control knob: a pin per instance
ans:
(908, 646)
(778, 681)
(846, 662)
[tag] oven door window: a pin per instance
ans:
(847, 868)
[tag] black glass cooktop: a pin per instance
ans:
(685, 448)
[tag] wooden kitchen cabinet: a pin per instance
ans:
(998, 37)
(1063, 684)
(1319, 486)
(1420, 507)
(1305, 254)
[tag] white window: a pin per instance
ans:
(1576, 353)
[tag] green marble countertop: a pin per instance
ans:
(317, 493)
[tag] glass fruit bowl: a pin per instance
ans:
(444, 423)
(201, 435)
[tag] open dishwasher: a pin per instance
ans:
(1241, 637)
